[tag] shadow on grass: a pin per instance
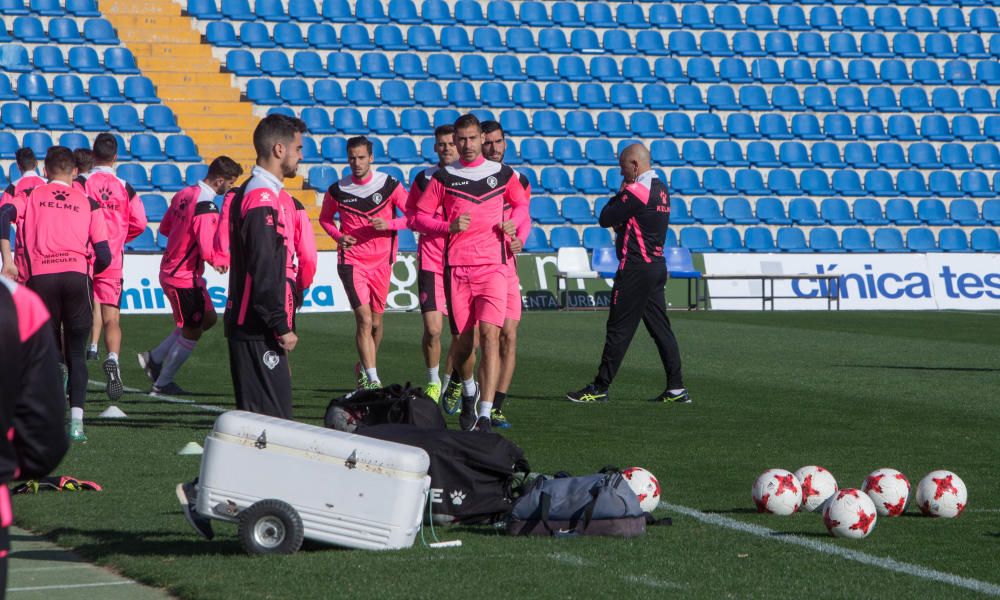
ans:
(924, 368)
(131, 423)
(45, 555)
(105, 542)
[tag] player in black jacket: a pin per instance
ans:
(639, 214)
(32, 400)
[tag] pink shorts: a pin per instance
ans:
(513, 294)
(108, 288)
(366, 285)
(477, 294)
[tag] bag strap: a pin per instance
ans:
(544, 505)
(588, 512)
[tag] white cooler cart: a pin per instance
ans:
(283, 481)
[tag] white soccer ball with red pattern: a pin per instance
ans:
(850, 513)
(889, 490)
(777, 491)
(942, 494)
(818, 485)
(646, 487)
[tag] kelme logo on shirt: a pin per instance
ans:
(491, 181)
(270, 359)
(265, 197)
(377, 198)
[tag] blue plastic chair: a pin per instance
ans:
(856, 239)
(900, 212)
(792, 240)
(984, 240)
(694, 239)
(759, 239)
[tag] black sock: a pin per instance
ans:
(455, 376)
(498, 399)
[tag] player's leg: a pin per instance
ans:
(628, 300)
(196, 309)
(654, 317)
(430, 344)
(151, 361)
(508, 349)
(378, 293)
(262, 382)
(364, 341)
(77, 318)
(489, 369)
(489, 285)
(95, 331)
(461, 318)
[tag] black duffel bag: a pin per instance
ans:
(472, 473)
(391, 404)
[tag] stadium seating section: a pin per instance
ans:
(832, 126)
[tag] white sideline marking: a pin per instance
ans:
(164, 397)
(34, 569)
(648, 581)
(569, 559)
(888, 564)
(69, 586)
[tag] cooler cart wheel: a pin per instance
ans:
(270, 527)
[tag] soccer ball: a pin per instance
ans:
(889, 490)
(343, 419)
(942, 494)
(645, 486)
(817, 486)
(850, 513)
(777, 491)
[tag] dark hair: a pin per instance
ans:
(84, 158)
(105, 148)
(225, 168)
(275, 129)
(358, 141)
(59, 161)
(468, 120)
(443, 130)
(491, 126)
(26, 160)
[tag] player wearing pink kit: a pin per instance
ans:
(473, 192)
(366, 201)
(190, 225)
(125, 219)
(494, 148)
(430, 270)
(15, 195)
(60, 230)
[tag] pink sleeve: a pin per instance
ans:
(424, 221)
(330, 207)
(98, 230)
(399, 200)
(136, 218)
(305, 250)
(204, 226)
(221, 244)
(167, 223)
(519, 197)
(31, 312)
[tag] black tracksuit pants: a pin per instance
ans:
(262, 380)
(69, 300)
(638, 294)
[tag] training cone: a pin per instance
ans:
(190, 449)
(112, 412)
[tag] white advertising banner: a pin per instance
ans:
(142, 293)
(866, 281)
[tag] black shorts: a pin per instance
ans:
(430, 287)
(68, 297)
(262, 380)
(189, 305)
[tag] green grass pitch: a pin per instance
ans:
(849, 391)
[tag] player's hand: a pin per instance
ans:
(347, 241)
(10, 271)
(221, 270)
(515, 245)
(288, 341)
(379, 224)
(460, 223)
(509, 228)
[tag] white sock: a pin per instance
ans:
(445, 382)
(373, 375)
(178, 354)
(485, 408)
(93, 348)
(113, 356)
(469, 386)
(675, 392)
(76, 413)
(159, 354)
(432, 375)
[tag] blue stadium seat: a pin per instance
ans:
(977, 185)
(370, 11)
(717, 182)
(696, 153)
(470, 12)
(536, 151)
(38, 141)
(741, 126)
(953, 240)
(595, 238)
(82, 8)
(727, 239)
(738, 211)
(793, 240)
(49, 59)
(900, 212)
(536, 240)
(256, 35)
(155, 206)
(145, 242)
(786, 98)
(275, 64)
(875, 45)
(856, 239)
(403, 151)
(599, 152)
(759, 239)
(181, 148)
(824, 239)
(576, 210)
(261, 91)
(685, 182)
(288, 35)
(836, 212)
(135, 175)
(889, 240)
(782, 182)
(555, 180)
(564, 237)
(806, 127)
(753, 97)
(322, 37)
(436, 12)
(794, 155)
(965, 213)
(986, 156)
(543, 210)
(125, 118)
(348, 120)
(727, 153)
(120, 61)
(99, 31)
(581, 124)
(644, 124)
(827, 155)
(750, 182)
(695, 239)
(383, 121)
(588, 180)
(803, 211)
(146, 147)
(203, 9)
(933, 212)
(669, 70)
(87, 117)
(911, 183)
(706, 211)
(984, 240)
(920, 239)
(321, 178)
(407, 241)
(869, 212)
(8, 145)
(568, 152)
(355, 37)
(33, 88)
(29, 30)
(679, 214)
(859, 155)
(798, 70)
(167, 178)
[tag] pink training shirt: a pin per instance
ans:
(480, 188)
(15, 195)
(523, 222)
(221, 255)
(305, 250)
(124, 215)
(358, 202)
(430, 246)
(61, 226)
(190, 225)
